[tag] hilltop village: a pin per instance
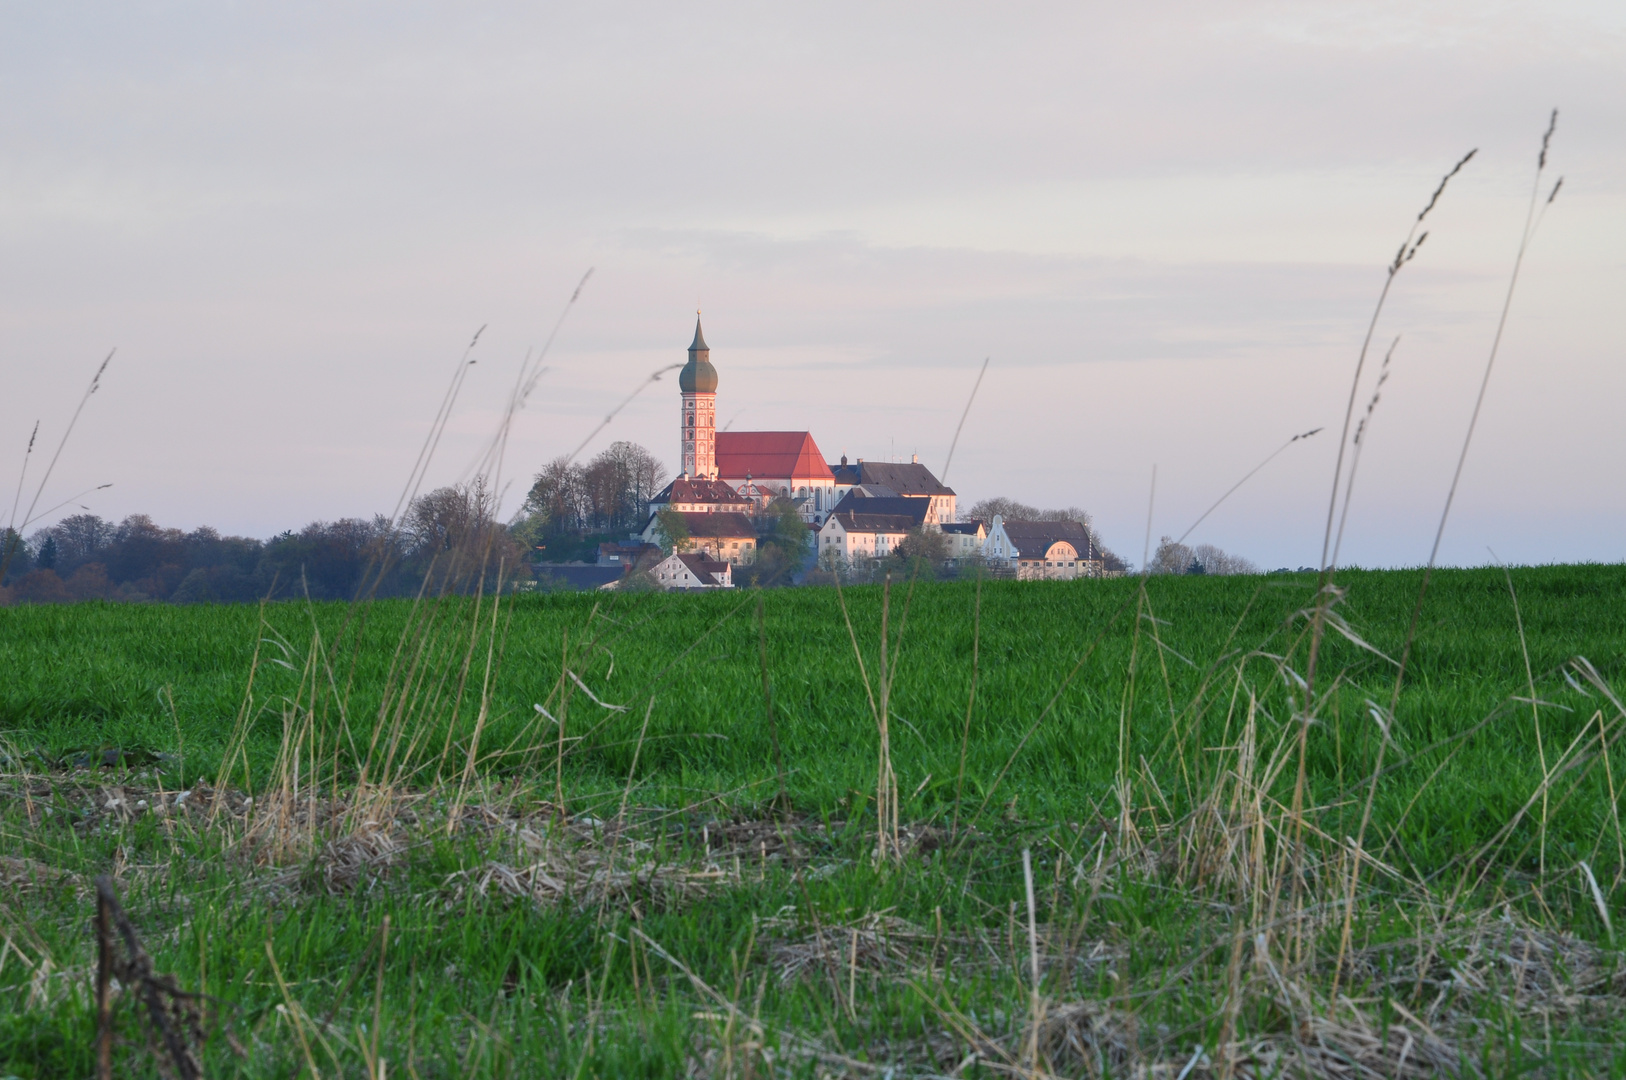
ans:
(735, 487)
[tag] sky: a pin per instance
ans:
(1164, 226)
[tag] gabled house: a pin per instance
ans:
(701, 496)
(965, 540)
(868, 528)
(689, 570)
(909, 480)
(725, 536)
(1042, 550)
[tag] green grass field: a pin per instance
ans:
(735, 919)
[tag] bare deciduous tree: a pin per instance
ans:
(611, 492)
(1171, 557)
(1176, 558)
(922, 543)
(1215, 561)
(555, 499)
(453, 532)
(1009, 509)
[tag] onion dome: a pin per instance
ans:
(698, 376)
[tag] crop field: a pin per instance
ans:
(1177, 827)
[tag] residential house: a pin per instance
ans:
(691, 570)
(868, 528)
(725, 536)
(965, 540)
(575, 577)
(697, 496)
(1042, 550)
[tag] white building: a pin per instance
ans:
(1042, 550)
(897, 479)
(688, 570)
(965, 540)
(725, 536)
(692, 496)
(872, 528)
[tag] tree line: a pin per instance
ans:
(449, 539)
(1173, 557)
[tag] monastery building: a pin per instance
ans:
(857, 511)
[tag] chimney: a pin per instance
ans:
(914, 459)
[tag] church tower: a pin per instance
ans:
(698, 381)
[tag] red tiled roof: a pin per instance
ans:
(770, 455)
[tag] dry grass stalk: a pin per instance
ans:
(14, 528)
(878, 713)
(886, 781)
(1530, 225)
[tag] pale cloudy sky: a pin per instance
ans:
(1165, 224)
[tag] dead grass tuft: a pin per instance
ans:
(589, 875)
(20, 876)
(876, 943)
